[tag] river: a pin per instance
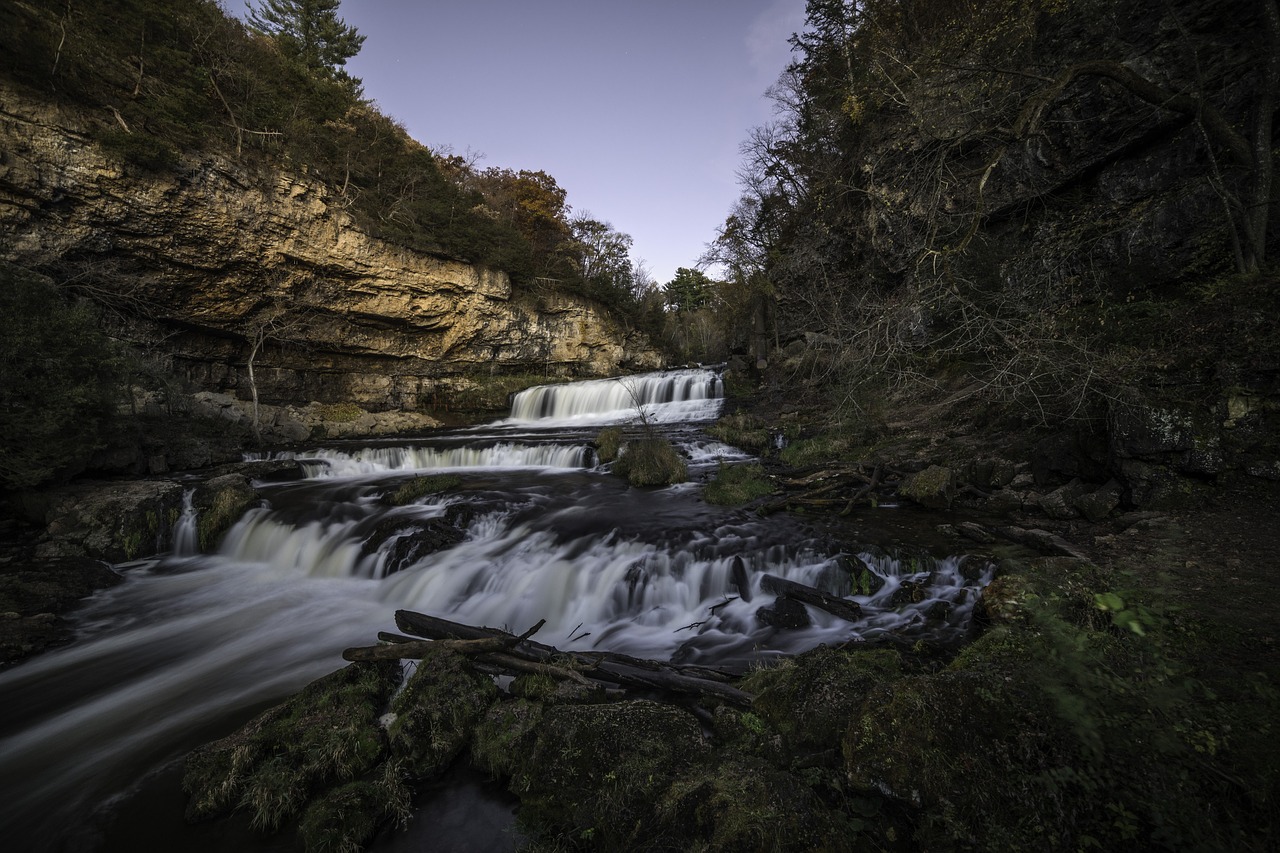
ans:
(191, 645)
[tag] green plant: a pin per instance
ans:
(651, 461)
(608, 443)
(735, 485)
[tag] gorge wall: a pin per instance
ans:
(196, 264)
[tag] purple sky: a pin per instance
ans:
(635, 107)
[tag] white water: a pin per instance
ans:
(383, 460)
(669, 397)
(191, 643)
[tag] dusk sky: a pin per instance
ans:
(635, 107)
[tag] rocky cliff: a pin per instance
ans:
(200, 263)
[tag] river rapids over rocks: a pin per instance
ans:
(193, 644)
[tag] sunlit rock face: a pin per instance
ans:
(199, 259)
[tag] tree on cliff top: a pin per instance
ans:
(309, 31)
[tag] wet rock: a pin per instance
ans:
(34, 594)
(112, 521)
(413, 540)
(865, 580)
(783, 613)
(219, 503)
(910, 592)
(437, 712)
(597, 772)
(934, 487)
(1099, 504)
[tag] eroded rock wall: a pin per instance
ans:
(199, 262)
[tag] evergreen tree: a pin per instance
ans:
(309, 31)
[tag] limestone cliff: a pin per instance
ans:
(200, 262)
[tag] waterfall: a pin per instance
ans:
(186, 533)
(381, 460)
(667, 397)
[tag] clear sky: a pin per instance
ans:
(635, 107)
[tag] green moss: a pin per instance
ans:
(746, 804)
(225, 508)
(608, 443)
(342, 413)
(437, 711)
(812, 697)
(735, 485)
(326, 734)
(505, 734)
(651, 461)
(420, 487)
(346, 818)
(819, 450)
(742, 430)
(598, 771)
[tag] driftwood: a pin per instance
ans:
(850, 611)
(417, 649)
(521, 654)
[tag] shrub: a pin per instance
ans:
(651, 461)
(742, 430)
(608, 443)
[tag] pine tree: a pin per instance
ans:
(308, 30)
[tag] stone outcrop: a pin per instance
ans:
(202, 261)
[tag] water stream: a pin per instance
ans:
(191, 645)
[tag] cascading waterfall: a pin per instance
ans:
(186, 532)
(382, 460)
(682, 395)
(533, 531)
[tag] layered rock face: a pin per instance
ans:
(202, 262)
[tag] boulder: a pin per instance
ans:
(1060, 503)
(934, 487)
(112, 521)
(219, 503)
(1098, 504)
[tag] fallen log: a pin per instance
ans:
(842, 608)
(417, 649)
(608, 667)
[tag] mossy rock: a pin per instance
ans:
(346, 818)
(437, 712)
(811, 698)
(597, 772)
(327, 734)
(651, 461)
(934, 487)
(973, 753)
(219, 504)
(420, 487)
(505, 734)
(745, 803)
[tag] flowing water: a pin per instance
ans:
(191, 645)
